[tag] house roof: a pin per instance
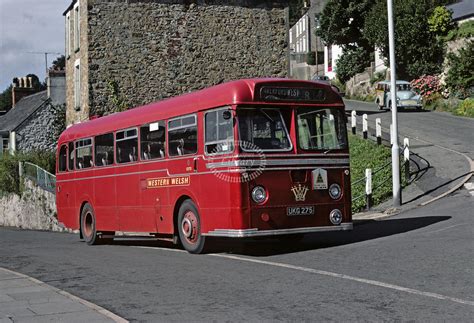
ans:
(462, 9)
(22, 110)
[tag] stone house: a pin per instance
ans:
(31, 122)
(125, 53)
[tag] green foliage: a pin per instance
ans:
(464, 30)
(418, 50)
(9, 174)
(296, 10)
(367, 154)
(377, 77)
(6, 99)
(440, 21)
(59, 63)
(351, 62)
(465, 108)
(342, 23)
(119, 102)
(460, 77)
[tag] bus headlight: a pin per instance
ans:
(335, 191)
(335, 216)
(259, 194)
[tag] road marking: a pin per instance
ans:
(442, 229)
(347, 277)
(330, 274)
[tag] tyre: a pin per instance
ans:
(88, 226)
(189, 228)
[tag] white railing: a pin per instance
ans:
(38, 175)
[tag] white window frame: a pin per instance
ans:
(226, 108)
(77, 26)
(68, 34)
(77, 85)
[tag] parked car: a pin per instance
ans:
(406, 97)
(321, 78)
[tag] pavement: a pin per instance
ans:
(25, 299)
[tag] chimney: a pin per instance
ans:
(56, 86)
(22, 86)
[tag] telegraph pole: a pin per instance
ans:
(45, 59)
(393, 97)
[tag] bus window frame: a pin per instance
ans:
(196, 124)
(165, 150)
(76, 150)
(113, 146)
(67, 158)
(136, 128)
(228, 108)
(73, 168)
(260, 149)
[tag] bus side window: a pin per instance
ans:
(182, 136)
(127, 146)
(104, 149)
(219, 133)
(62, 167)
(84, 153)
(71, 156)
(152, 140)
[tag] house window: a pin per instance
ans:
(77, 25)
(5, 146)
(77, 85)
(68, 35)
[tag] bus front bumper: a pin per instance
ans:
(244, 233)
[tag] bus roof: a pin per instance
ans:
(234, 92)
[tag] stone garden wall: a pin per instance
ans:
(143, 51)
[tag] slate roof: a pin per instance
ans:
(462, 10)
(22, 110)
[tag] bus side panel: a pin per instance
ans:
(105, 199)
(65, 200)
(154, 198)
(222, 206)
(127, 186)
(84, 192)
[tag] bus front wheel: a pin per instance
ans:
(88, 225)
(189, 228)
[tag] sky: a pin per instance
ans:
(29, 26)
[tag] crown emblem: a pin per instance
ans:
(300, 192)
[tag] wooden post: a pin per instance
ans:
(378, 130)
(368, 188)
(364, 126)
(353, 122)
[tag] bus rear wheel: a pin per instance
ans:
(189, 228)
(88, 226)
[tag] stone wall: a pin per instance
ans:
(141, 51)
(35, 209)
(41, 130)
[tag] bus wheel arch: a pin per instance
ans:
(187, 223)
(81, 236)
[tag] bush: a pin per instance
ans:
(465, 108)
(464, 30)
(428, 86)
(460, 77)
(9, 175)
(352, 62)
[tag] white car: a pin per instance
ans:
(406, 97)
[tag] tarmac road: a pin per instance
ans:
(414, 266)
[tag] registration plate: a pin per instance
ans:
(299, 210)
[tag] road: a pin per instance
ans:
(417, 265)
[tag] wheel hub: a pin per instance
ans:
(189, 227)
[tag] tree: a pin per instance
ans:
(418, 50)
(6, 99)
(440, 21)
(59, 63)
(351, 62)
(296, 10)
(342, 23)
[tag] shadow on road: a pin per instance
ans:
(363, 231)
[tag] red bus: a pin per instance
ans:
(248, 158)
